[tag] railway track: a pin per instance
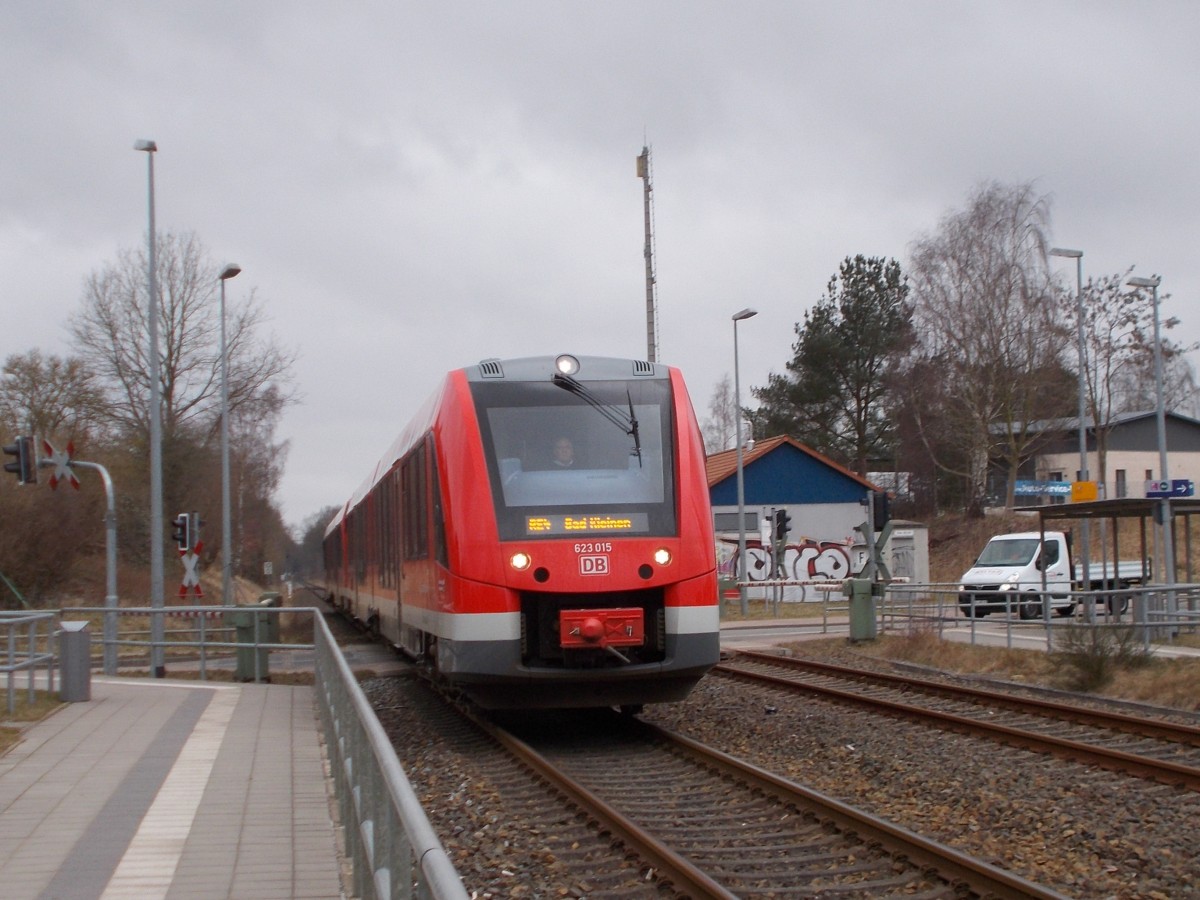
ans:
(610, 806)
(1147, 748)
(710, 825)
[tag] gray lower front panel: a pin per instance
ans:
(492, 673)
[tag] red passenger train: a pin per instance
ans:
(541, 536)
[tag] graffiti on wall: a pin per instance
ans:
(806, 560)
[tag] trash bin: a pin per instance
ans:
(253, 663)
(74, 662)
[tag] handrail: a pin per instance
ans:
(27, 658)
(374, 795)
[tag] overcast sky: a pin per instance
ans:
(413, 187)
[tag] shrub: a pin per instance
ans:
(1088, 657)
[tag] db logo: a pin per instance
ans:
(593, 565)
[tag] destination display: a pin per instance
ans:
(588, 523)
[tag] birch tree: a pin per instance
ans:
(989, 333)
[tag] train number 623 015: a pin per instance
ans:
(594, 547)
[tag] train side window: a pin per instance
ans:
(416, 507)
(439, 524)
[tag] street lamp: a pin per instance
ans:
(1161, 417)
(1077, 255)
(156, 509)
(741, 486)
(230, 270)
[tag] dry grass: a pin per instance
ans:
(24, 713)
(1163, 682)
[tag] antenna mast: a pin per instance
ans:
(643, 172)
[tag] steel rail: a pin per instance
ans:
(1163, 771)
(951, 865)
(1116, 721)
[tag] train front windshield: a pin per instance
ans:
(596, 459)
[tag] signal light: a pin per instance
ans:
(783, 524)
(881, 509)
(24, 464)
(180, 528)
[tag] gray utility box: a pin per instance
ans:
(74, 662)
(255, 626)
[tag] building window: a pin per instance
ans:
(1122, 485)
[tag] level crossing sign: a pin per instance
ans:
(191, 572)
(61, 461)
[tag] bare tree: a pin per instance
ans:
(110, 331)
(1135, 385)
(985, 316)
(1118, 328)
(51, 536)
(49, 397)
(720, 429)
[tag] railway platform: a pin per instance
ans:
(171, 789)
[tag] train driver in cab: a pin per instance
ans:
(563, 456)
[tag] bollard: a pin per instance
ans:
(74, 662)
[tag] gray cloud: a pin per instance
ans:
(411, 187)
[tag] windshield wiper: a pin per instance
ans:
(627, 425)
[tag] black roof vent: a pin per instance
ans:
(491, 368)
(641, 367)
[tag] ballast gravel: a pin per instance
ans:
(1082, 831)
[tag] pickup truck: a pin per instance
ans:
(1008, 575)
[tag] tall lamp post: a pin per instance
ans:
(741, 485)
(158, 670)
(1161, 417)
(230, 270)
(1077, 255)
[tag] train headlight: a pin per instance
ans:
(566, 364)
(520, 561)
(662, 556)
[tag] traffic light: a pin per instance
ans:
(194, 524)
(24, 464)
(881, 509)
(783, 524)
(180, 532)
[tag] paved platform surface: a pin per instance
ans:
(173, 789)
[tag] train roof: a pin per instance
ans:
(529, 368)
(544, 368)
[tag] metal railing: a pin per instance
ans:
(815, 602)
(210, 634)
(26, 648)
(394, 849)
(1157, 613)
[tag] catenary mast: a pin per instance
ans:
(643, 171)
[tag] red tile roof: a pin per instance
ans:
(724, 464)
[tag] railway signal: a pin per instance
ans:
(180, 526)
(24, 464)
(881, 509)
(783, 524)
(186, 533)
